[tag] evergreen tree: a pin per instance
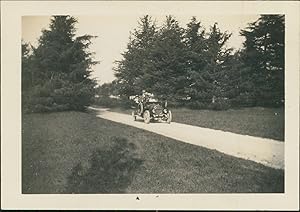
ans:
(196, 47)
(27, 74)
(61, 68)
(168, 62)
(175, 64)
(216, 57)
(233, 83)
(132, 70)
(27, 81)
(208, 64)
(263, 54)
(108, 89)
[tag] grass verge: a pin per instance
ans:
(73, 152)
(256, 121)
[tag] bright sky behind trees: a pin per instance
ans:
(113, 34)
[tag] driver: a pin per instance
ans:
(146, 96)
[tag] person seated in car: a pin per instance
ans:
(146, 96)
(142, 99)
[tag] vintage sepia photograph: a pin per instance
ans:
(153, 102)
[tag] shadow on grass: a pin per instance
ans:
(109, 170)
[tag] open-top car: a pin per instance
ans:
(151, 109)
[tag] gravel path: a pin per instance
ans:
(261, 150)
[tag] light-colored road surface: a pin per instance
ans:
(265, 151)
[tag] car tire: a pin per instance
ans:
(169, 117)
(133, 116)
(140, 109)
(146, 117)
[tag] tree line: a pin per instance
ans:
(194, 67)
(188, 66)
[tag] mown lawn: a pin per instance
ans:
(256, 121)
(74, 152)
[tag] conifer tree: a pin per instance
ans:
(263, 55)
(132, 70)
(216, 56)
(207, 64)
(197, 47)
(168, 59)
(61, 68)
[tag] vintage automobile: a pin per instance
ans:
(151, 109)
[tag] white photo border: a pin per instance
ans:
(11, 194)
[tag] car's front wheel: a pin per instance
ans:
(146, 117)
(169, 117)
(133, 116)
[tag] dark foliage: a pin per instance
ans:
(56, 74)
(108, 95)
(133, 71)
(263, 57)
(109, 171)
(194, 68)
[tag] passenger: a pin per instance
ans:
(146, 96)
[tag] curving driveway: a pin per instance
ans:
(261, 150)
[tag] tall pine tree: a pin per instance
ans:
(61, 68)
(168, 60)
(207, 64)
(263, 54)
(216, 56)
(132, 70)
(196, 47)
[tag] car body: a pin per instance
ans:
(152, 110)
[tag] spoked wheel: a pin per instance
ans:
(146, 117)
(169, 117)
(133, 116)
(140, 109)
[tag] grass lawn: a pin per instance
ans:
(256, 121)
(74, 152)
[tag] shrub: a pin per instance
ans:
(110, 169)
(197, 105)
(106, 101)
(174, 103)
(244, 100)
(220, 104)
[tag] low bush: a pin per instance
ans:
(243, 100)
(110, 170)
(47, 98)
(220, 104)
(197, 105)
(106, 101)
